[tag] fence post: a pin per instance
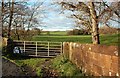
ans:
(48, 48)
(36, 49)
(61, 47)
(24, 47)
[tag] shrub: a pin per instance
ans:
(78, 32)
(9, 48)
(108, 30)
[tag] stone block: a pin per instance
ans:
(107, 61)
(97, 69)
(106, 72)
(114, 59)
(114, 67)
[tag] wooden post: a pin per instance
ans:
(36, 49)
(48, 48)
(24, 47)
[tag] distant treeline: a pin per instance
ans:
(102, 30)
(21, 34)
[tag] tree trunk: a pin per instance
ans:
(95, 29)
(2, 9)
(11, 17)
(18, 37)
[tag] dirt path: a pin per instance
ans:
(48, 71)
(11, 69)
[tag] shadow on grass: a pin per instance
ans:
(22, 57)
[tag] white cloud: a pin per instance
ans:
(56, 21)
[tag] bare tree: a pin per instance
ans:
(32, 14)
(11, 17)
(90, 14)
(18, 15)
(2, 11)
(95, 32)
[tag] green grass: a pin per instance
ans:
(65, 67)
(82, 39)
(58, 33)
(110, 39)
(104, 39)
(54, 33)
(33, 63)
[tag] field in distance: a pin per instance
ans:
(61, 36)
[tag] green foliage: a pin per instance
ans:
(38, 71)
(65, 67)
(78, 32)
(24, 34)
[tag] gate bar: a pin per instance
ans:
(36, 49)
(24, 46)
(48, 49)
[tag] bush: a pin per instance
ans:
(78, 32)
(108, 30)
(9, 48)
(24, 34)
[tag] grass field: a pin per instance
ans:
(54, 33)
(104, 39)
(58, 33)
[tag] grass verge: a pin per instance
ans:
(66, 68)
(33, 63)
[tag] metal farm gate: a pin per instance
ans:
(39, 48)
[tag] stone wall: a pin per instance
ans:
(4, 41)
(96, 60)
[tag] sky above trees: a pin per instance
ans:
(53, 18)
